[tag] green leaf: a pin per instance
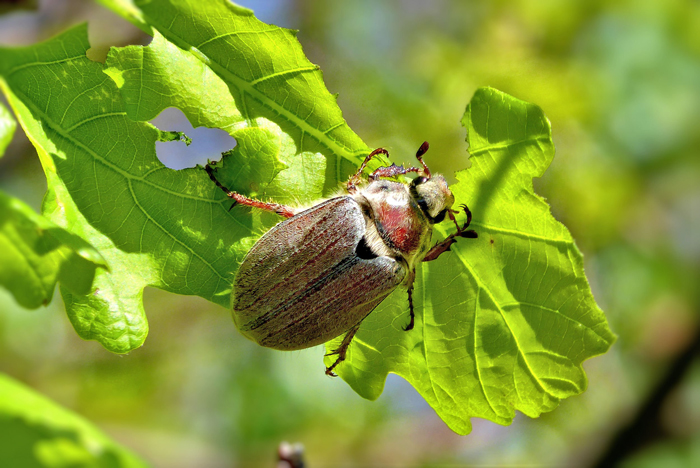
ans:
(259, 71)
(36, 432)
(503, 322)
(156, 226)
(7, 128)
(147, 84)
(36, 254)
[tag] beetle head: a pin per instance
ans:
(433, 196)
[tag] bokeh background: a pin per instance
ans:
(620, 82)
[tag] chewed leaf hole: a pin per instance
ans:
(206, 143)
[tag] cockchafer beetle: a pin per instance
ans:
(320, 272)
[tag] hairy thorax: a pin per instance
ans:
(396, 225)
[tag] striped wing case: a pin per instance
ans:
(303, 283)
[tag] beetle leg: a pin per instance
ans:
(462, 231)
(282, 210)
(439, 248)
(410, 308)
(355, 179)
(342, 350)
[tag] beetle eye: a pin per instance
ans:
(419, 180)
(440, 216)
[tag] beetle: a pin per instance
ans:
(319, 273)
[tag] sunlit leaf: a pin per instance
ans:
(503, 322)
(156, 226)
(256, 71)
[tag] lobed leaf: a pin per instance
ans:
(503, 322)
(35, 431)
(36, 254)
(156, 226)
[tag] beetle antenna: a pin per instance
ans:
(419, 156)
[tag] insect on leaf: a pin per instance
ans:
(503, 322)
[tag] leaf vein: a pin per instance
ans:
(554, 311)
(508, 144)
(523, 234)
(36, 64)
(291, 71)
(94, 117)
(499, 307)
(233, 33)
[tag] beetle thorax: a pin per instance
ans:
(400, 217)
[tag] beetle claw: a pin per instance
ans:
(329, 369)
(341, 351)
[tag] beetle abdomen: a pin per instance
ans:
(303, 284)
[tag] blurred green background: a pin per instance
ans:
(620, 82)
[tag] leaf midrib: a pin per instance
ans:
(58, 129)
